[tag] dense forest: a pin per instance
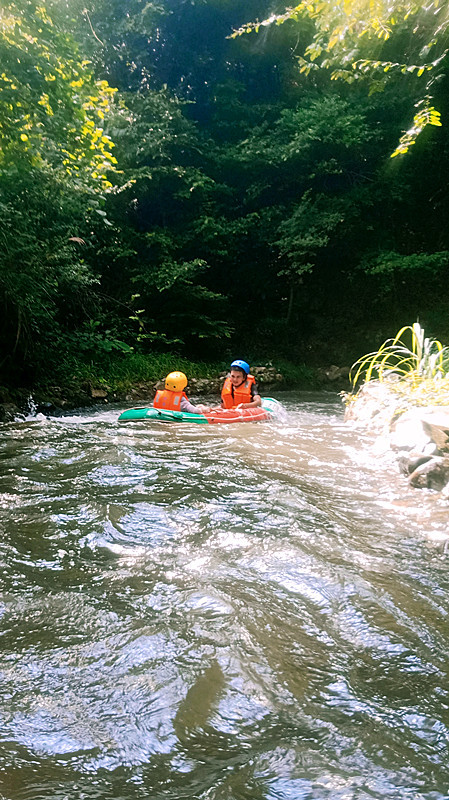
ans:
(175, 178)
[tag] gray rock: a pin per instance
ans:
(434, 474)
(438, 434)
(98, 394)
(407, 431)
(373, 407)
(412, 463)
(334, 373)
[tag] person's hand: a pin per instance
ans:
(203, 409)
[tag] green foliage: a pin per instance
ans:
(150, 130)
(297, 375)
(306, 232)
(44, 280)
(52, 109)
(391, 263)
(352, 40)
(120, 372)
(55, 162)
(427, 115)
(91, 341)
(174, 304)
(321, 137)
(250, 203)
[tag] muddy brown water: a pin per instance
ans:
(242, 612)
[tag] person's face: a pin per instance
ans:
(237, 377)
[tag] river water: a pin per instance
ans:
(242, 612)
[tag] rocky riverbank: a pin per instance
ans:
(418, 435)
(54, 400)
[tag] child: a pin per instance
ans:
(173, 397)
(240, 389)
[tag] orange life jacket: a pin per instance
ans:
(242, 393)
(167, 400)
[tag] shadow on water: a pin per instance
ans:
(249, 612)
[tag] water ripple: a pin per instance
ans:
(257, 613)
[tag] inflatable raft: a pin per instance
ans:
(221, 415)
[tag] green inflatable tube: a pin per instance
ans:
(148, 414)
(268, 410)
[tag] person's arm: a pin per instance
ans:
(189, 408)
(256, 401)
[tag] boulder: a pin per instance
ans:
(409, 462)
(434, 474)
(373, 407)
(334, 373)
(98, 394)
(204, 385)
(49, 409)
(439, 434)
(407, 432)
(266, 375)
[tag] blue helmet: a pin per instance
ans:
(241, 365)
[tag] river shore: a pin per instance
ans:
(54, 400)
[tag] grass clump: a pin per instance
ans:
(411, 364)
(121, 373)
(297, 375)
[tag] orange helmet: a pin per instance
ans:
(176, 382)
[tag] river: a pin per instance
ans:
(242, 612)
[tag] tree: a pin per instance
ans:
(303, 235)
(380, 40)
(55, 160)
(52, 110)
(161, 190)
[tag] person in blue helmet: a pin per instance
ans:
(240, 389)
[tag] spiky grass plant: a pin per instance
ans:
(417, 371)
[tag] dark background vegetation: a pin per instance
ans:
(253, 211)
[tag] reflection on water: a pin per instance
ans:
(249, 612)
